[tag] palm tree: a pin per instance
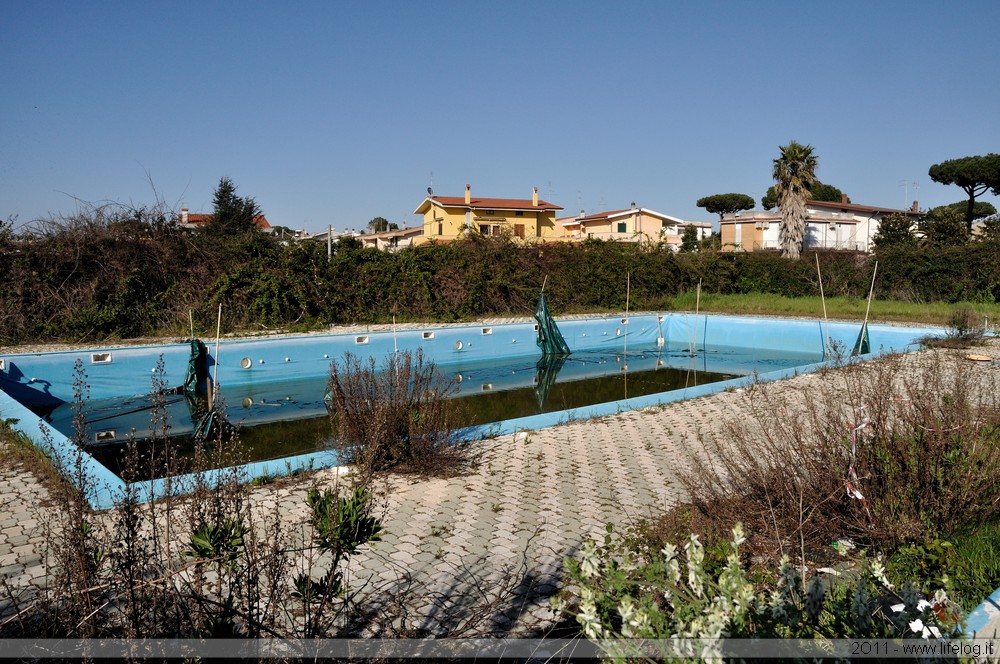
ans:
(794, 172)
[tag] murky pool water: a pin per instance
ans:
(282, 419)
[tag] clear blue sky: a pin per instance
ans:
(336, 112)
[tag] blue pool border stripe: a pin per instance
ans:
(977, 620)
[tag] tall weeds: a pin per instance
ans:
(227, 560)
(396, 415)
(871, 452)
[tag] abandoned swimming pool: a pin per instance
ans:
(258, 376)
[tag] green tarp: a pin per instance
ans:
(546, 371)
(862, 346)
(191, 378)
(550, 340)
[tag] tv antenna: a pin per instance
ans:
(905, 184)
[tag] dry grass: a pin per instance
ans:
(873, 452)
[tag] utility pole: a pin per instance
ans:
(329, 243)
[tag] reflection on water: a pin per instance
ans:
(283, 419)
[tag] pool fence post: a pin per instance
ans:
(215, 379)
(628, 292)
(822, 297)
(694, 328)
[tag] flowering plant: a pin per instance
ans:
(625, 591)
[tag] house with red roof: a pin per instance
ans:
(191, 220)
(633, 224)
(448, 218)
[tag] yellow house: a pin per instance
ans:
(447, 218)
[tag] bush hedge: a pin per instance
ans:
(116, 273)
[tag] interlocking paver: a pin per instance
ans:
(528, 504)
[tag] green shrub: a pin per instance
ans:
(627, 592)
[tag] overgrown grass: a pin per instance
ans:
(965, 561)
(847, 308)
(977, 573)
(17, 450)
(884, 456)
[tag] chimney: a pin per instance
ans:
(633, 205)
(534, 197)
(914, 207)
(468, 194)
(184, 215)
(843, 198)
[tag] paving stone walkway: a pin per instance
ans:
(494, 537)
(22, 568)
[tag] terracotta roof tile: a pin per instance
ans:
(200, 219)
(494, 203)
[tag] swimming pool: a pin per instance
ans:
(258, 370)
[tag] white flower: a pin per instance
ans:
(738, 536)
(590, 621)
(878, 571)
(925, 632)
(673, 570)
(589, 563)
(557, 604)
(626, 610)
(695, 554)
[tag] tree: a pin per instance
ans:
(979, 210)
(232, 214)
(689, 241)
(896, 230)
(991, 229)
(712, 242)
(721, 204)
(819, 191)
(945, 226)
(794, 172)
(976, 175)
(381, 225)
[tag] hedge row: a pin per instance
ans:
(94, 279)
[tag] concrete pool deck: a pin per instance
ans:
(503, 528)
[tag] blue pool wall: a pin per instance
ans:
(39, 378)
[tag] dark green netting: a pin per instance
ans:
(862, 346)
(191, 379)
(550, 340)
(208, 425)
(546, 371)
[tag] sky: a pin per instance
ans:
(333, 113)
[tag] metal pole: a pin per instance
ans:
(826, 320)
(329, 243)
(628, 292)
